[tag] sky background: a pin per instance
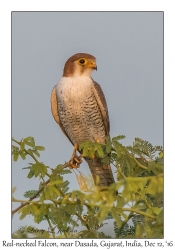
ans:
(128, 47)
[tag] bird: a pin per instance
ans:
(79, 107)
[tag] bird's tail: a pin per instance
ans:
(102, 173)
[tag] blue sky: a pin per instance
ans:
(128, 47)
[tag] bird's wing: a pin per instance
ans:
(55, 111)
(100, 98)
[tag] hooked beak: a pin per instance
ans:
(92, 65)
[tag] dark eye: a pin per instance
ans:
(82, 61)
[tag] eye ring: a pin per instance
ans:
(81, 61)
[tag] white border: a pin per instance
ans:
(5, 90)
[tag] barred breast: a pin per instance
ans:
(79, 112)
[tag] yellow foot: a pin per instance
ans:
(75, 160)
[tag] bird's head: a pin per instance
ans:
(80, 64)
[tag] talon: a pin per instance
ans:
(78, 160)
(70, 165)
(75, 160)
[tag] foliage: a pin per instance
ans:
(136, 211)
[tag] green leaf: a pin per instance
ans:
(120, 201)
(157, 210)
(51, 183)
(119, 137)
(155, 185)
(140, 189)
(30, 174)
(37, 169)
(36, 153)
(88, 234)
(139, 206)
(40, 148)
(100, 152)
(14, 148)
(59, 170)
(25, 211)
(30, 193)
(15, 156)
(116, 216)
(51, 192)
(22, 146)
(161, 155)
(34, 209)
(106, 159)
(29, 141)
(22, 154)
(108, 148)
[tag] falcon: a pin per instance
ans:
(79, 106)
